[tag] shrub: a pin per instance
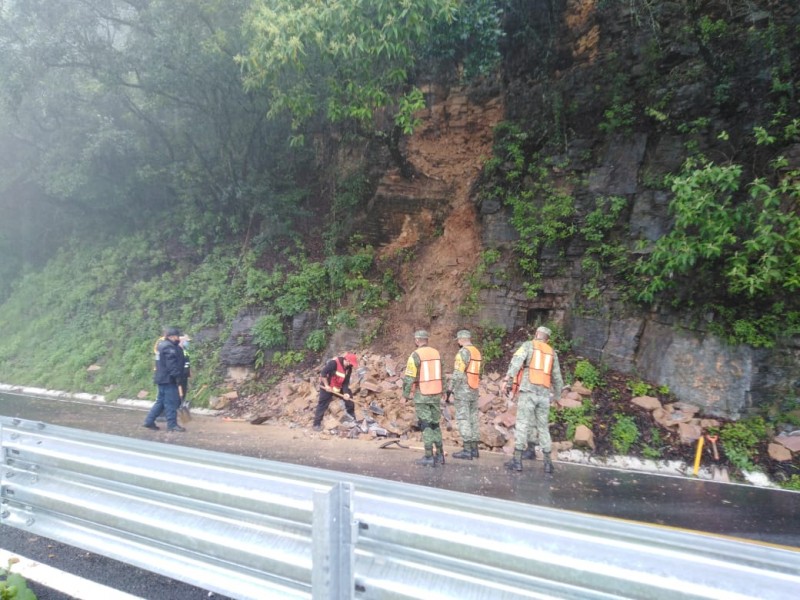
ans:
(740, 439)
(317, 340)
(287, 359)
(13, 586)
(740, 240)
(653, 449)
(580, 415)
(793, 483)
(268, 332)
(624, 434)
(640, 388)
(491, 341)
(587, 374)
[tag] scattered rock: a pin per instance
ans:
(647, 402)
(689, 432)
(581, 389)
(779, 452)
(584, 438)
(791, 442)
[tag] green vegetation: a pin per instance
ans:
(572, 417)
(587, 374)
(541, 210)
(287, 359)
(617, 117)
(624, 433)
(742, 251)
(603, 254)
(640, 388)
(491, 343)
(268, 332)
(186, 162)
(350, 66)
(13, 586)
(740, 439)
(477, 281)
(105, 305)
(653, 449)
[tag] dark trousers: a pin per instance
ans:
(168, 401)
(323, 403)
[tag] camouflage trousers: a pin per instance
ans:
(533, 420)
(431, 414)
(467, 416)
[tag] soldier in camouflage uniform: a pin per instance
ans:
(541, 382)
(424, 375)
(464, 385)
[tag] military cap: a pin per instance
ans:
(422, 335)
(544, 330)
(464, 333)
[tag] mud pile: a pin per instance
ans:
(381, 410)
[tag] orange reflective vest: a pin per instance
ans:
(474, 367)
(430, 371)
(541, 364)
(337, 378)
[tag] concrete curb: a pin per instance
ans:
(90, 398)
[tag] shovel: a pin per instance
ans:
(184, 413)
(713, 440)
(184, 410)
(445, 408)
(391, 443)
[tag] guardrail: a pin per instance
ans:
(254, 529)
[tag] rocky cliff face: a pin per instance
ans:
(612, 97)
(644, 56)
(646, 72)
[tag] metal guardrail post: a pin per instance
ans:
(333, 543)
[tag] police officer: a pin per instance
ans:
(540, 381)
(170, 363)
(422, 383)
(464, 385)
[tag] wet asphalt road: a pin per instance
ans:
(742, 511)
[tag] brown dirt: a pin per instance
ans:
(452, 144)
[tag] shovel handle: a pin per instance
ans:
(337, 394)
(713, 440)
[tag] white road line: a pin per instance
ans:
(66, 583)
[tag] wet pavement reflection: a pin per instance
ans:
(742, 511)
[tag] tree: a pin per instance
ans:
(123, 114)
(347, 62)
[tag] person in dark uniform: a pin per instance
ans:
(170, 363)
(334, 379)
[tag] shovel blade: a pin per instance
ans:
(184, 414)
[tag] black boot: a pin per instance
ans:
(548, 463)
(515, 464)
(426, 461)
(474, 450)
(529, 454)
(466, 453)
(439, 456)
